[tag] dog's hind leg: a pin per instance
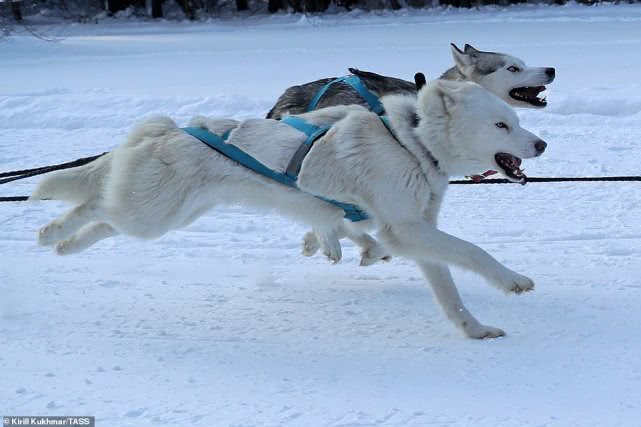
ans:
(68, 223)
(85, 237)
(447, 296)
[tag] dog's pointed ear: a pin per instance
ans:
(437, 99)
(469, 49)
(462, 59)
(455, 48)
(419, 79)
(447, 92)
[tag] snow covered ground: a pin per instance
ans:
(225, 324)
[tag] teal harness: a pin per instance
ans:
(356, 83)
(289, 178)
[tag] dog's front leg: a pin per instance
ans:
(423, 241)
(447, 296)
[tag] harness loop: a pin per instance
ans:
(355, 83)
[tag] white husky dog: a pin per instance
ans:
(162, 178)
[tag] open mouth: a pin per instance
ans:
(511, 167)
(530, 95)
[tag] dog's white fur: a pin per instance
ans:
(498, 73)
(161, 179)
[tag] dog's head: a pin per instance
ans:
(504, 75)
(469, 129)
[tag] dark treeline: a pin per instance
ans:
(195, 9)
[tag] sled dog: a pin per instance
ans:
(162, 179)
(504, 75)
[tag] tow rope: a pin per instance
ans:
(314, 132)
(15, 175)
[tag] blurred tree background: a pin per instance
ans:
(13, 12)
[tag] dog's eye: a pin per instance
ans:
(502, 125)
(513, 69)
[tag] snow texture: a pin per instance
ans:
(226, 324)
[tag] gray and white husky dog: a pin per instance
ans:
(504, 75)
(162, 179)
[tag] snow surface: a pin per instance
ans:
(226, 324)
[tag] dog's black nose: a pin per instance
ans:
(540, 146)
(550, 72)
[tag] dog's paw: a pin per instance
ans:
(520, 284)
(63, 248)
(514, 283)
(67, 247)
(310, 244)
(479, 331)
(373, 254)
(333, 252)
(49, 234)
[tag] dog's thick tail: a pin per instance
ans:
(77, 184)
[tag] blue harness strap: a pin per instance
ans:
(387, 124)
(352, 212)
(313, 133)
(357, 84)
(218, 143)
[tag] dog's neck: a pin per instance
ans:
(401, 113)
(426, 139)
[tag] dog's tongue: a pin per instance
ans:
(481, 177)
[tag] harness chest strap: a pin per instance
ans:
(313, 133)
